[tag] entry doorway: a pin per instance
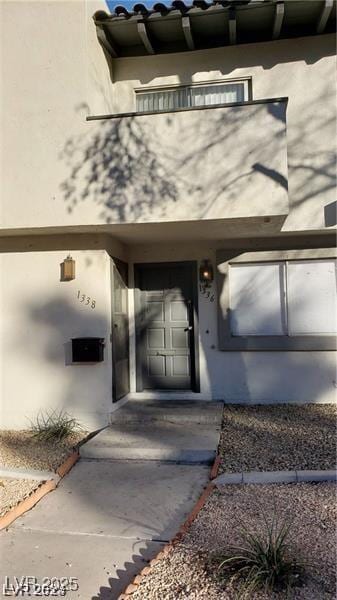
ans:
(166, 307)
(120, 330)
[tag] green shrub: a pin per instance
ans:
(54, 426)
(262, 561)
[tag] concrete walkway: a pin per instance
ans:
(107, 518)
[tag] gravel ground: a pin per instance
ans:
(184, 575)
(12, 491)
(19, 449)
(278, 438)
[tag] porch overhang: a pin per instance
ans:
(198, 164)
(220, 233)
(199, 24)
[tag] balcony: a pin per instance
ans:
(220, 162)
(173, 172)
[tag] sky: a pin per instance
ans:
(129, 5)
(148, 3)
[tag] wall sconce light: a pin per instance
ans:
(68, 269)
(206, 274)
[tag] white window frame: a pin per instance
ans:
(284, 287)
(247, 81)
(229, 342)
(289, 316)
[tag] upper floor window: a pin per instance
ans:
(193, 95)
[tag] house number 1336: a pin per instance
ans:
(86, 299)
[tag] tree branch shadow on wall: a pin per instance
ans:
(116, 160)
(272, 378)
(132, 172)
(113, 163)
(53, 322)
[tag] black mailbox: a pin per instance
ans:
(88, 349)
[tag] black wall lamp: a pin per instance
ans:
(206, 274)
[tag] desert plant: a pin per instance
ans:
(263, 560)
(54, 426)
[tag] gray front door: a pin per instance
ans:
(165, 326)
(120, 330)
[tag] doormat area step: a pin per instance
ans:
(173, 411)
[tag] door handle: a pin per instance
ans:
(189, 328)
(166, 353)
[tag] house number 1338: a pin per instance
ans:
(83, 298)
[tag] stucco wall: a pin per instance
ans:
(244, 377)
(59, 170)
(39, 316)
(48, 56)
(191, 169)
(302, 69)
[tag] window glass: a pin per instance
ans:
(217, 94)
(312, 298)
(185, 97)
(283, 298)
(257, 303)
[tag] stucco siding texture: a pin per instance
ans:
(303, 70)
(59, 170)
(40, 315)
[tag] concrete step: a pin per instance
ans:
(161, 441)
(174, 411)
(187, 456)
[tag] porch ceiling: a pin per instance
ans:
(200, 24)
